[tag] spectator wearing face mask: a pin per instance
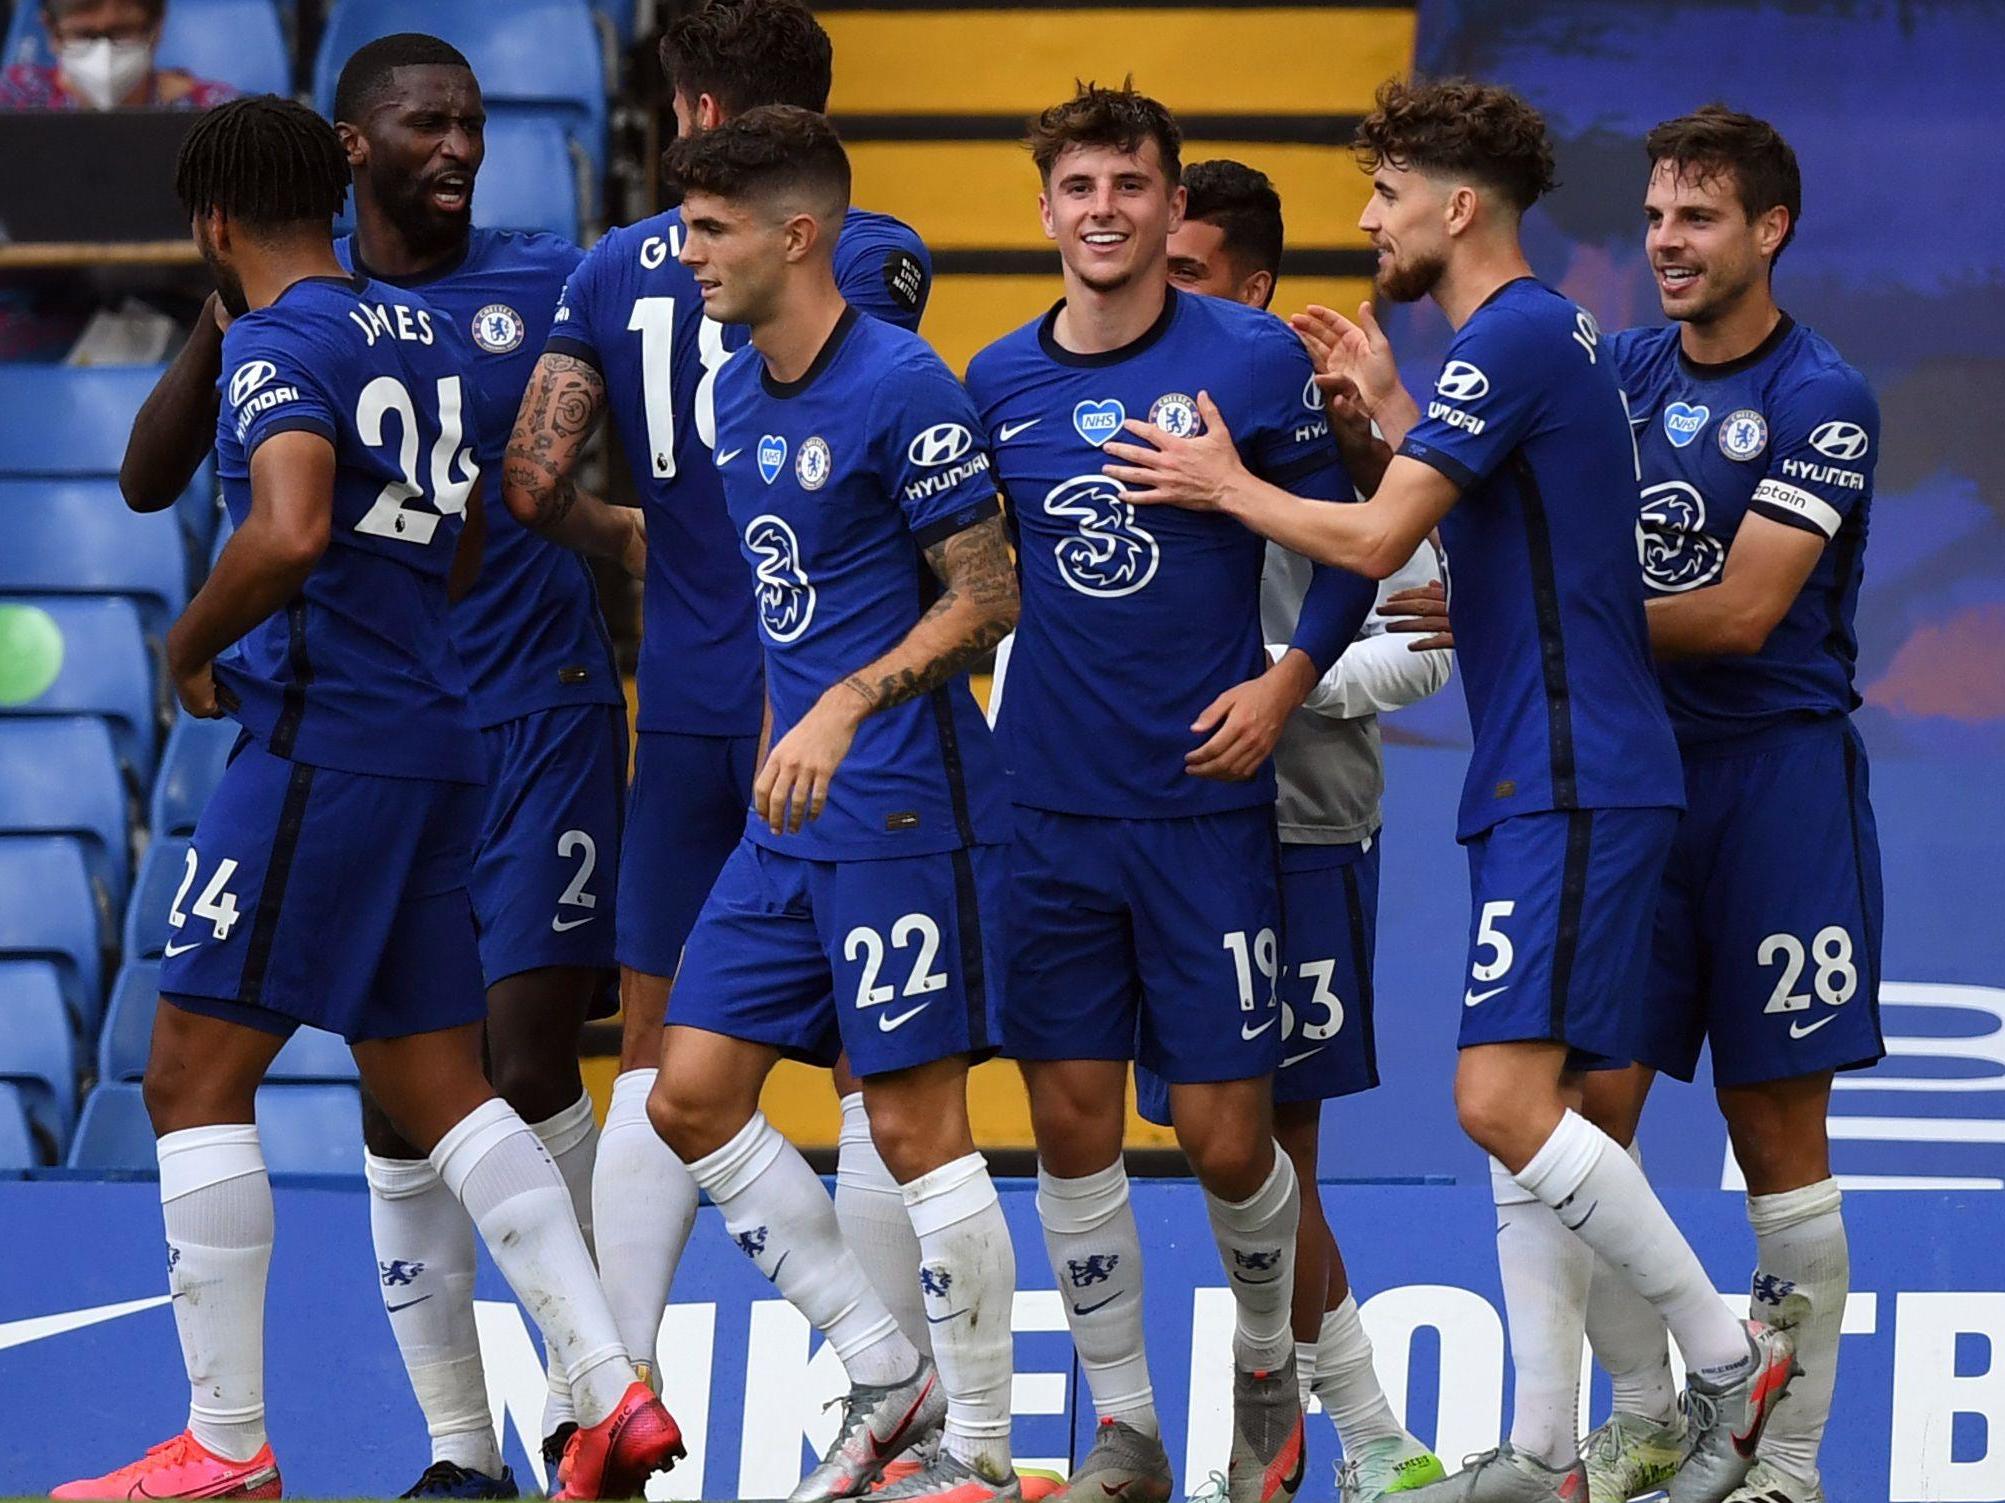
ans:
(104, 52)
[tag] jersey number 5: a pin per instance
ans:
(396, 511)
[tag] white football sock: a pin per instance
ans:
(1628, 1339)
(1802, 1255)
(1256, 1241)
(571, 1138)
(425, 1268)
(1096, 1256)
(216, 1201)
(1546, 1270)
(776, 1209)
(871, 1211)
(1604, 1199)
(502, 1174)
(1305, 1372)
(967, 1269)
(643, 1209)
(1347, 1382)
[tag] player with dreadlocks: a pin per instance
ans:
(346, 457)
(542, 689)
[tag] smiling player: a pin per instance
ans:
(1571, 802)
(1140, 716)
(1757, 443)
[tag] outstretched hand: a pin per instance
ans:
(1196, 472)
(1355, 370)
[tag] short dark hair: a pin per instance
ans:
(54, 10)
(745, 53)
(267, 162)
(774, 150)
(1716, 141)
(1242, 202)
(367, 71)
(1095, 116)
(1481, 131)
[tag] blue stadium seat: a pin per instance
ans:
(48, 911)
(309, 1055)
(17, 1143)
(75, 537)
(237, 42)
(59, 776)
(38, 1053)
(305, 1129)
(161, 872)
(189, 769)
(542, 55)
(105, 671)
(528, 181)
(69, 420)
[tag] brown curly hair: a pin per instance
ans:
(1095, 116)
(1479, 131)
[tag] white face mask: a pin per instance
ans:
(104, 71)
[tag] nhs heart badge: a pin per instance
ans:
(772, 456)
(1682, 424)
(1099, 421)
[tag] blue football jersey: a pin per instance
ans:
(1526, 417)
(837, 483)
(1789, 432)
(529, 631)
(359, 672)
(1133, 622)
(633, 311)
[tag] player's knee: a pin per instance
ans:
(1230, 1165)
(1492, 1117)
(538, 1088)
(689, 1123)
(1074, 1135)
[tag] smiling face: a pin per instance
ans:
(418, 150)
(1706, 253)
(1407, 220)
(1111, 213)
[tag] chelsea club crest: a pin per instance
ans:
(1175, 414)
(1743, 434)
(498, 328)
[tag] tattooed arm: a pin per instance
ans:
(977, 608)
(562, 406)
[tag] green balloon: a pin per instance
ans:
(31, 653)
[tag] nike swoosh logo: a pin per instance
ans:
(726, 457)
(560, 925)
(781, 1264)
(1477, 999)
(935, 1320)
(1296, 1059)
(1799, 1031)
(886, 1025)
(393, 1309)
(197, 944)
(1255, 1033)
(1089, 1309)
(1769, 1383)
(879, 1449)
(1009, 431)
(1240, 1277)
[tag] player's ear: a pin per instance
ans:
(1459, 211)
(1769, 230)
(1258, 290)
(353, 144)
(803, 232)
(709, 113)
(1044, 214)
(1179, 198)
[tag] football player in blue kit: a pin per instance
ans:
(346, 444)
(1330, 775)
(859, 913)
(1573, 791)
(547, 699)
(1140, 715)
(1757, 444)
(631, 341)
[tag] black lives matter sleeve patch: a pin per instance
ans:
(905, 280)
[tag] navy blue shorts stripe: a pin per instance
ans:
(271, 900)
(1361, 958)
(1572, 896)
(1552, 641)
(974, 953)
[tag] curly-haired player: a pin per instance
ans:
(1574, 787)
